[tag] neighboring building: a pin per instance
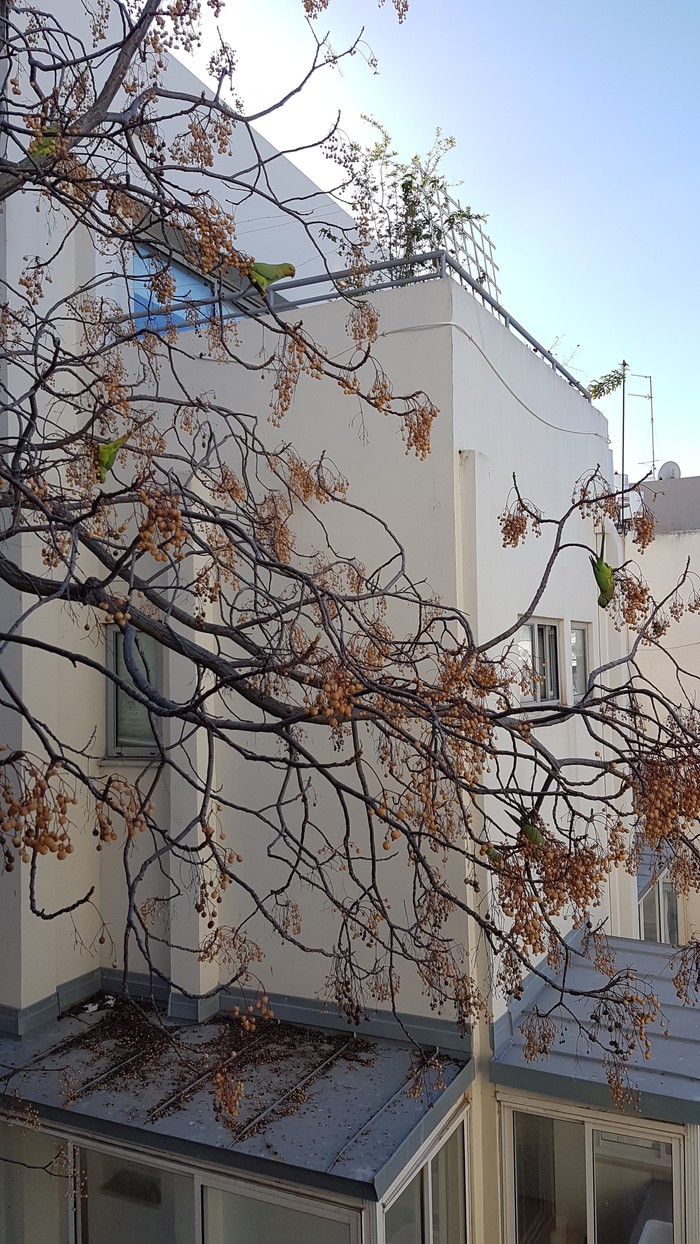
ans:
(340, 1139)
(671, 562)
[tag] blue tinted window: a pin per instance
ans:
(189, 288)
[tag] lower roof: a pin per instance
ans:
(320, 1108)
(665, 1086)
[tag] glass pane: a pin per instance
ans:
(649, 916)
(550, 1180)
(188, 287)
(233, 1219)
(34, 1193)
(133, 728)
(448, 1191)
(127, 1201)
(633, 1189)
(403, 1221)
(541, 663)
(524, 655)
(550, 688)
(579, 670)
(669, 908)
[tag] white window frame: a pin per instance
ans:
(420, 1164)
(579, 626)
(593, 1121)
(223, 295)
(552, 625)
(262, 1188)
(303, 1203)
(656, 888)
(112, 749)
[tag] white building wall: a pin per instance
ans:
(502, 410)
(72, 700)
(673, 667)
(446, 509)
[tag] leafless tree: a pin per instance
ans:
(129, 497)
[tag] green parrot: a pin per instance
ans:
(494, 856)
(263, 274)
(45, 144)
(526, 827)
(604, 576)
(107, 456)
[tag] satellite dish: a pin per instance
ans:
(669, 470)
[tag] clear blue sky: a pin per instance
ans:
(577, 132)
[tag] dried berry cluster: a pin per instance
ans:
(35, 804)
(162, 532)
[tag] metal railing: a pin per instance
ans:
(249, 304)
(343, 284)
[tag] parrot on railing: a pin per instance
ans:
(263, 274)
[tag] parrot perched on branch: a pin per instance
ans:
(45, 143)
(604, 575)
(263, 274)
(526, 827)
(107, 456)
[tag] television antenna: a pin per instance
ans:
(649, 397)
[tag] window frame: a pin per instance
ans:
(421, 1166)
(267, 1192)
(154, 319)
(585, 629)
(260, 1187)
(593, 1121)
(656, 888)
(112, 749)
(553, 627)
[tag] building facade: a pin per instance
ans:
(402, 1131)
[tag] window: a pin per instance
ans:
(633, 1182)
(536, 644)
(128, 1201)
(130, 728)
(432, 1208)
(53, 1192)
(579, 659)
(576, 1182)
(230, 1217)
(550, 1178)
(34, 1187)
(187, 287)
(658, 910)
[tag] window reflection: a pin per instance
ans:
(126, 1202)
(233, 1219)
(34, 1188)
(536, 651)
(550, 1180)
(448, 1191)
(579, 663)
(633, 1181)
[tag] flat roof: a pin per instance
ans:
(320, 1108)
(675, 504)
(667, 1084)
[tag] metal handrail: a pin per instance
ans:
(446, 262)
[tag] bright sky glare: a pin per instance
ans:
(576, 130)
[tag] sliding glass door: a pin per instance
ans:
(573, 1181)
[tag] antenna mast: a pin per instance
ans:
(624, 366)
(649, 397)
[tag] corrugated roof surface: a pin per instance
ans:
(317, 1107)
(668, 1083)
